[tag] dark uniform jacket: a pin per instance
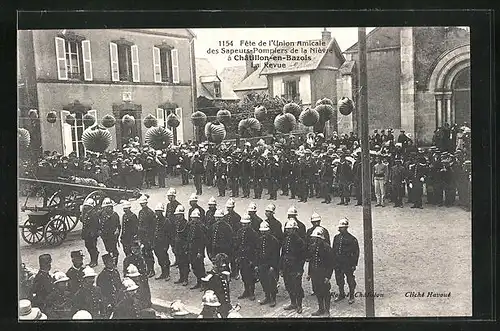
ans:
(275, 228)
(220, 285)
(91, 227)
(110, 222)
(130, 224)
(75, 279)
(302, 229)
(345, 250)
(293, 253)
(344, 173)
(256, 220)
(220, 239)
(320, 260)
(89, 299)
(42, 287)
(210, 218)
(111, 285)
(169, 215)
(268, 251)
(181, 242)
(245, 244)
(196, 238)
(160, 237)
(233, 169)
(246, 167)
(398, 174)
(59, 305)
(259, 169)
(147, 224)
(202, 213)
(233, 219)
(197, 167)
(325, 231)
(127, 308)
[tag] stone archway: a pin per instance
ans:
(449, 67)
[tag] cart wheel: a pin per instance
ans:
(71, 221)
(97, 196)
(32, 232)
(54, 200)
(55, 231)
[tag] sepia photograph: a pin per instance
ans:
(264, 173)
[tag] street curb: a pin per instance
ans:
(164, 306)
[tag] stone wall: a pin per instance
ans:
(425, 117)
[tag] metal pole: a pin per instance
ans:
(366, 176)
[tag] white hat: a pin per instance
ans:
(344, 223)
(89, 202)
(230, 203)
(318, 232)
(271, 207)
(195, 213)
(89, 272)
(132, 271)
(179, 210)
(178, 308)
(219, 213)
(193, 197)
(126, 204)
(252, 207)
(129, 284)
(59, 277)
(107, 202)
(315, 217)
(143, 199)
(26, 312)
(264, 226)
(292, 211)
(291, 224)
(210, 299)
(212, 201)
(82, 315)
(160, 207)
(245, 219)
(171, 191)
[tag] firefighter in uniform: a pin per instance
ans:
(181, 245)
(110, 227)
(292, 261)
(274, 172)
(292, 213)
(75, 273)
(245, 245)
(144, 291)
(128, 307)
(258, 176)
(210, 306)
(89, 297)
(221, 173)
(320, 269)
(305, 177)
(172, 205)
(146, 233)
(59, 304)
(160, 242)
(417, 178)
(220, 237)
(196, 246)
(255, 220)
(345, 259)
(267, 263)
(130, 225)
(136, 258)
(197, 170)
(397, 181)
(326, 175)
(218, 281)
(316, 221)
(275, 227)
(210, 214)
(344, 176)
(43, 282)
(193, 202)
(110, 283)
(233, 219)
(294, 178)
(90, 229)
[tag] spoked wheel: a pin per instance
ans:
(71, 221)
(55, 199)
(32, 232)
(97, 196)
(55, 231)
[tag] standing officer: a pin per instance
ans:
(75, 273)
(89, 297)
(397, 180)
(292, 213)
(160, 242)
(220, 237)
(320, 269)
(275, 227)
(292, 265)
(172, 205)
(252, 212)
(305, 177)
(344, 177)
(316, 221)
(417, 178)
(110, 227)
(185, 164)
(218, 281)
(90, 229)
(326, 179)
(380, 176)
(181, 245)
(294, 177)
(146, 233)
(130, 225)
(161, 166)
(345, 259)
(110, 284)
(221, 173)
(233, 174)
(267, 263)
(234, 221)
(246, 172)
(196, 246)
(259, 169)
(245, 245)
(198, 170)
(210, 214)
(43, 282)
(193, 202)
(274, 172)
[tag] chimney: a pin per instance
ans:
(326, 35)
(249, 65)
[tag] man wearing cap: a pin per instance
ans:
(161, 166)
(345, 259)
(293, 256)
(210, 306)
(255, 220)
(160, 242)
(398, 175)
(59, 304)
(128, 307)
(294, 178)
(197, 169)
(275, 226)
(196, 246)
(326, 178)
(75, 273)
(110, 227)
(245, 245)
(267, 263)
(246, 171)
(193, 202)
(320, 268)
(210, 214)
(274, 172)
(234, 220)
(144, 291)
(316, 221)
(344, 178)
(170, 217)
(109, 281)
(89, 297)
(292, 214)
(90, 229)
(380, 177)
(305, 176)
(218, 281)
(29, 313)
(259, 168)
(181, 245)
(417, 174)
(233, 174)
(43, 282)
(221, 173)
(146, 232)
(209, 164)
(130, 224)
(220, 237)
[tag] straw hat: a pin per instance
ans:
(27, 313)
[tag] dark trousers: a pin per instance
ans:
(245, 186)
(147, 252)
(235, 269)
(268, 279)
(359, 193)
(197, 266)
(417, 192)
(294, 187)
(150, 178)
(198, 184)
(221, 185)
(315, 188)
(345, 192)
(162, 175)
(258, 187)
(185, 176)
(273, 188)
(304, 189)
(293, 283)
(438, 193)
(209, 178)
(91, 246)
(110, 245)
(247, 275)
(235, 189)
(397, 193)
(326, 188)
(161, 252)
(284, 185)
(347, 272)
(319, 287)
(449, 195)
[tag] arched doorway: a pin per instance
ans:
(461, 96)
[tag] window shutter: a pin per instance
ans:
(87, 60)
(62, 71)
(156, 64)
(160, 116)
(67, 140)
(179, 129)
(113, 53)
(136, 77)
(175, 66)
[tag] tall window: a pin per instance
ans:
(76, 135)
(73, 59)
(291, 90)
(166, 65)
(124, 63)
(217, 92)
